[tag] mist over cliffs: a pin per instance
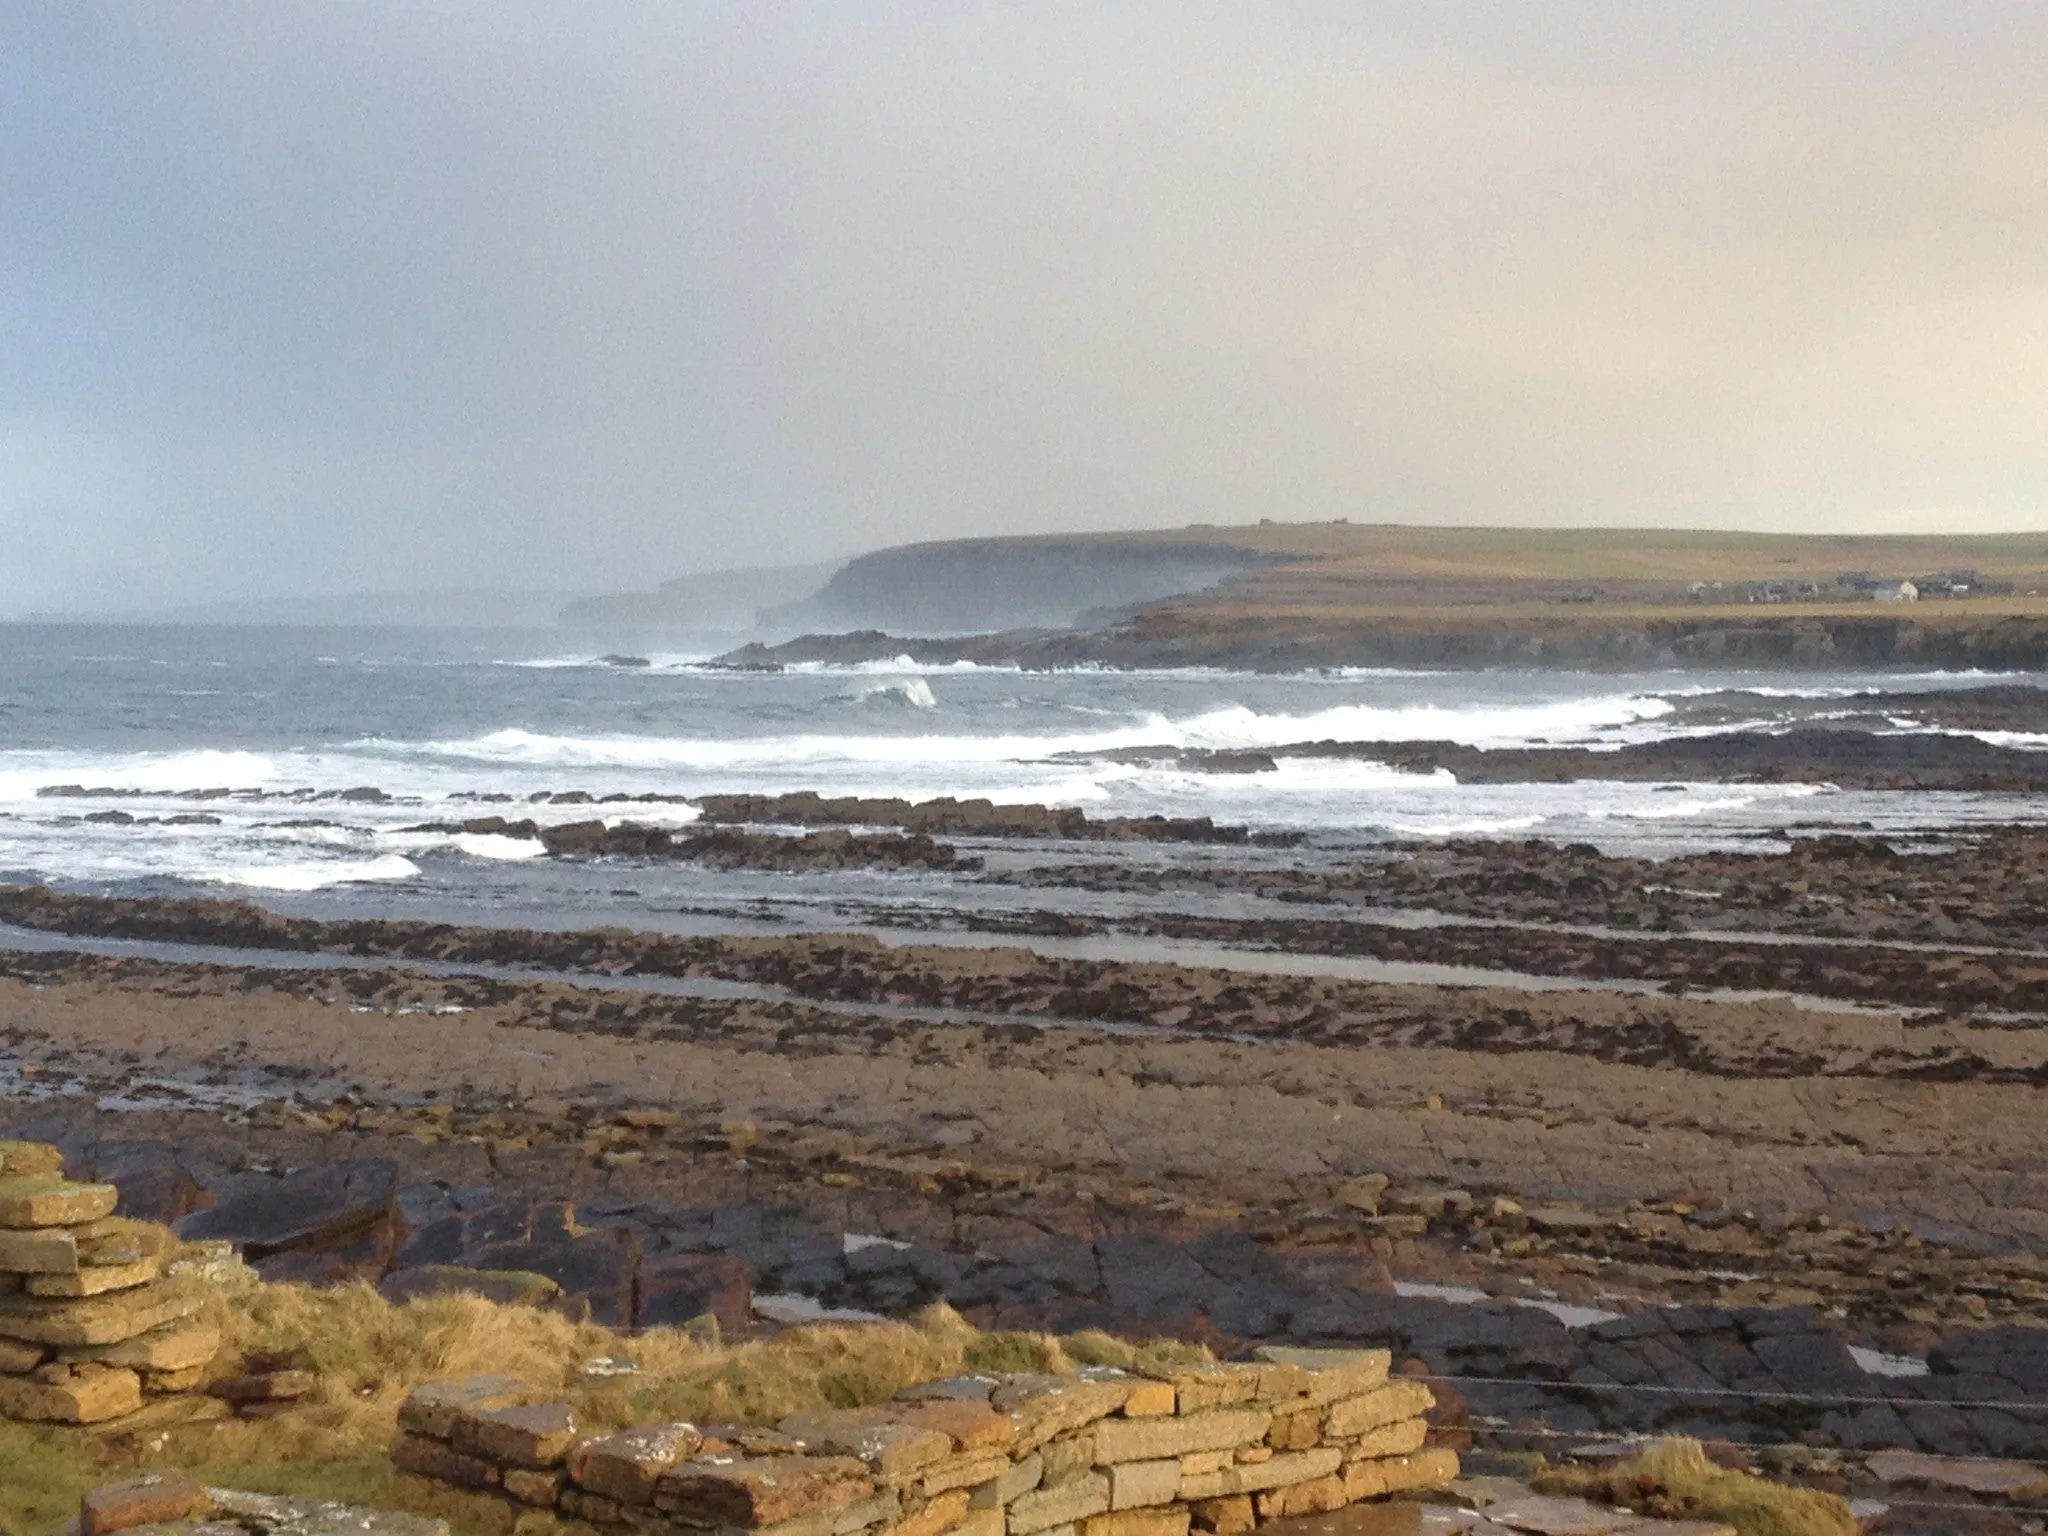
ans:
(982, 585)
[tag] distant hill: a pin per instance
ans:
(973, 586)
(715, 600)
(1278, 596)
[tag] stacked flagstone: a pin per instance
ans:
(1212, 1448)
(89, 1322)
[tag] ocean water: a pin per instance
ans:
(216, 760)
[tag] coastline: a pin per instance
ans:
(1985, 637)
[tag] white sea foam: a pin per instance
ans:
(1470, 826)
(495, 845)
(1666, 808)
(311, 874)
(914, 692)
(890, 667)
(23, 773)
(911, 730)
(1232, 727)
(2025, 741)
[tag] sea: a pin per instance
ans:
(325, 771)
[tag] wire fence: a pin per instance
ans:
(1747, 1394)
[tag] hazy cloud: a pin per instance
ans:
(313, 297)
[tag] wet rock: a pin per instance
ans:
(677, 1288)
(945, 816)
(310, 1209)
(596, 1264)
(154, 1184)
(1994, 1479)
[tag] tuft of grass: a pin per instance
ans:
(1094, 1347)
(1674, 1480)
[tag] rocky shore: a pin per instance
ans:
(1198, 634)
(1846, 758)
(436, 1127)
(1975, 889)
(946, 816)
(1747, 1145)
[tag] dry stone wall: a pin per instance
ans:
(1211, 1448)
(97, 1312)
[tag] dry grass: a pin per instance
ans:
(370, 1354)
(1673, 1479)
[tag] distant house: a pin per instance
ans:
(1949, 584)
(1896, 592)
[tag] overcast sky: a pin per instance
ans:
(319, 297)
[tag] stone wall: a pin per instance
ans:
(1212, 1448)
(97, 1311)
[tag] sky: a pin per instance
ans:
(302, 298)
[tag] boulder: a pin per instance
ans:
(155, 1185)
(597, 1264)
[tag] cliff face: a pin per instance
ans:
(982, 585)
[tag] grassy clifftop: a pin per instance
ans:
(1335, 594)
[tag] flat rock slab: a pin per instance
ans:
(94, 1280)
(42, 1201)
(44, 1251)
(1395, 1519)
(870, 1435)
(89, 1394)
(1562, 1517)
(107, 1319)
(150, 1498)
(527, 1435)
(433, 1409)
(625, 1466)
(1994, 1479)
(29, 1159)
(761, 1491)
(265, 1514)
(178, 1346)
